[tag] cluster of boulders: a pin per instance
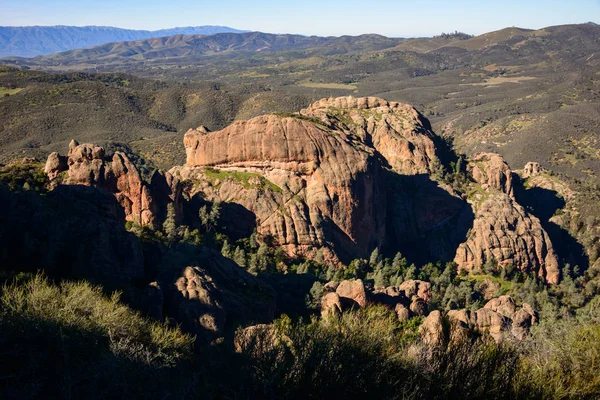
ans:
(411, 298)
(143, 203)
(500, 317)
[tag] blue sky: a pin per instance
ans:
(398, 18)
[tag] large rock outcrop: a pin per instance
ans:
(328, 178)
(88, 165)
(503, 232)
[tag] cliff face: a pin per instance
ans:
(322, 179)
(503, 231)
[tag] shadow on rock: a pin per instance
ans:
(543, 203)
(425, 222)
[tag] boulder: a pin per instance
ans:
(503, 305)
(418, 306)
(55, 165)
(402, 312)
(488, 288)
(420, 289)
(353, 290)
(331, 286)
(432, 329)
(491, 170)
(331, 305)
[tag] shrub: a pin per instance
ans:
(70, 340)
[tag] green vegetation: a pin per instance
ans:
(246, 179)
(24, 176)
(72, 340)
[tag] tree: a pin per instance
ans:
(226, 249)
(374, 259)
(210, 219)
(170, 226)
(313, 298)
(239, 256)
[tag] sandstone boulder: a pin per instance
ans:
(418, 306)
(331, 305)
(55, 165)
(420, 289)
(331, 286)
(353, 290)
(488, 288)
(503, 305)
(432, 329)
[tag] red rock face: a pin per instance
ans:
(313, 180)
(503, 231)
(144, 204)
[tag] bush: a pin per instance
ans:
(367, 353)
(560, 361)
(72, 341)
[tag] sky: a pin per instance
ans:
(397, 18)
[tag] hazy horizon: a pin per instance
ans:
(334, 18)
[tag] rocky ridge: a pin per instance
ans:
(143, 203)
(338, 179)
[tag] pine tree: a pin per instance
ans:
(239, 256)
(226, 249)
(374, 259)
(210, 219)
(169, 226)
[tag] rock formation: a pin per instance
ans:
(499, 318)
(409, 299)
(214, 298)
(532, 169)
(328, 178)
(88, 165)
(503, 232)
(55, 165)
(352, 292)
(491, 171)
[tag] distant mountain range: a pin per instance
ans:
(30, 41)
